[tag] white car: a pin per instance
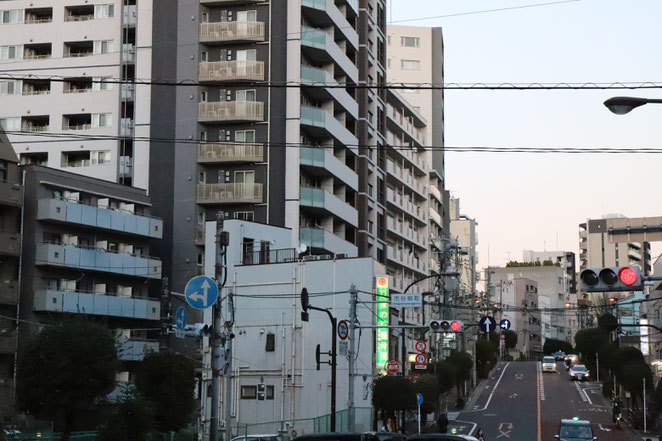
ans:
(579, 373)
(549, 364)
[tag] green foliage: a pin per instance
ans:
(486, 354)
(428, 387)
(166, 381)
(463, 364)
(392, 393)
(446, 372)
(516, 264)
(130, 420)
(632, 375)
(589, 341)
(511, 338)
(66, 369)
(657, 396)
(607, 389)
(552, 345)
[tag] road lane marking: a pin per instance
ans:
(604, 428)
(579, 390)
(489, 414)
(473, 426)
(540, 389)
(587, 397)
(519, 376)
(505, 433)
(489, 399)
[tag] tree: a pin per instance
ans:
(427, 386)
(446, 372)
(623, 357)
(553, 345)
(486, 356)
(130, 420)
(632, 375)
(511, 338)
(65, 370)
(166, 381)
(392, 393)
(589, 341)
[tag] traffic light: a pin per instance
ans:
(446, 326)
(624, 278)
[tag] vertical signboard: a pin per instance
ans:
(643, 332)
(381, 355)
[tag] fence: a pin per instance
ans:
(363, 420)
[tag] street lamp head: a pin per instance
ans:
(620, 105)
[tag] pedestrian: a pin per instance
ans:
(480, 435)
(391, 425)
(384, 427)
(442, 423)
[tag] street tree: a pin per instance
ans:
(130, 420)
(510, 339)
(427, 386)
(624, 356)
(486, 356)
(589, 341)
(166, 381)
(446, 372)
(553, 345)
(66, 369)
(632, 375)
(391, 394)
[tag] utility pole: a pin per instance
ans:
(215, 340)
(165, 312)
(353, 299)
(227, 372)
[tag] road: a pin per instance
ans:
(520, 403)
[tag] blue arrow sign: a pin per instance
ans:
(505, 324)
(419, 399)
(180, 318)
(201, 292)
(487, 324)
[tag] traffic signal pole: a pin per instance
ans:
(353, 300)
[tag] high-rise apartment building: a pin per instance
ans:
(64, 109)
(463, 229)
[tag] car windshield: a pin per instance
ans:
(578, 432)
(579, 368)
(548, 360)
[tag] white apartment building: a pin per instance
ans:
(73, 117)
(463, 229)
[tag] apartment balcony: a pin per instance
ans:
(230, 2)
(634, 255)
(136, 349)
(583, 234)
(401, 203)
(11, 193)
(436, 217)
(322, 162)
(436, 193)
(237, 70)
(59, 210)
(317, 77)
(9, 292)
(130, 15)
(402, 231)
(128, 92)
(96, 259)
(127, 127)
(322, 123)
(231, 111)
(321, 48)
(406, 260)
(325, 13)
(404, 177)
(320, 201)
(232, 193)
(230, 152)
(232, 32)
(320, 240)
(8, 343)
(583, 245)
(10, 243)
(128, 53)
(101, 304)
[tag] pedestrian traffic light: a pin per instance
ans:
(446, 326)
(624, 278)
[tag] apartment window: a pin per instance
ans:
(202, 177)
(410, 64)
(104, 11)
(201, 217)
(248, 392)
(3, 177)
(201, 259)
(245, 215)
(10, 52)
(247, 15)
(203, 96)
(11, 123)
(271, 343)
(203, 135)
(99, 83)
(12, 87)
(247, 55)
(204, 18)
(388, 63)
(103, 47)
(11, 16)
(102, 119)
(246, 95)
(244, 177)
(100, 157)
(409, 41)
(204, 56)
(244, 135)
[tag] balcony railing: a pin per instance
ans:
(238, 70)
(232, 193)
(231, 31)
(91, 303)
(136, 349)
(35, 128)
(10, 243)
(9, 293)
(10, 193)
(231, 111)
(227, 152)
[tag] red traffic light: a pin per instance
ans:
(627, 275)
(456, 326)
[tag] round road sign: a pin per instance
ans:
(421, 358)
(505, 324)
(421, 346)
(393, 367)
(487, 324)
(343, 329)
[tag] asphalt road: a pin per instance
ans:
(520, 403)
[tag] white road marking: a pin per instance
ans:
(453, 415)
(579, 390)
(587, 397)
(473, 425)
(542, 388)
(604, 428)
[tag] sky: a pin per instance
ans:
(537, 201)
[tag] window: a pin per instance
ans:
(203, 96)
(246, 95)
(410, 64)
(388, 40)
(247, 15)
(244, 215)
(248, 392)
(247, 55)
(204, 18)
(103, 47)
(100, 157)
(10, 52)
(270, 392)
(11, 16)
(203, 135)
(388, 63)
(201, 217)
(201, 259)
(11, 87)
(244, 177)
(99, 83)
(409, 41)
(104, 11)
(202, 177)
(204, 56)
(244, 135)
(102, 119)
(11, 123)
(271, 343)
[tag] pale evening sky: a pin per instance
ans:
(523, 201)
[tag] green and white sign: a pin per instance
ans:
(382, 298)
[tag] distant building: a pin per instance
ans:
(525, 318)
(566, 259)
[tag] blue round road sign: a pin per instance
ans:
(505, 324)
(201, 292)
(180, 318)
(487, 324)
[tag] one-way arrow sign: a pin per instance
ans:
(487, 324)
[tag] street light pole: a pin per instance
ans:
(620, 105)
